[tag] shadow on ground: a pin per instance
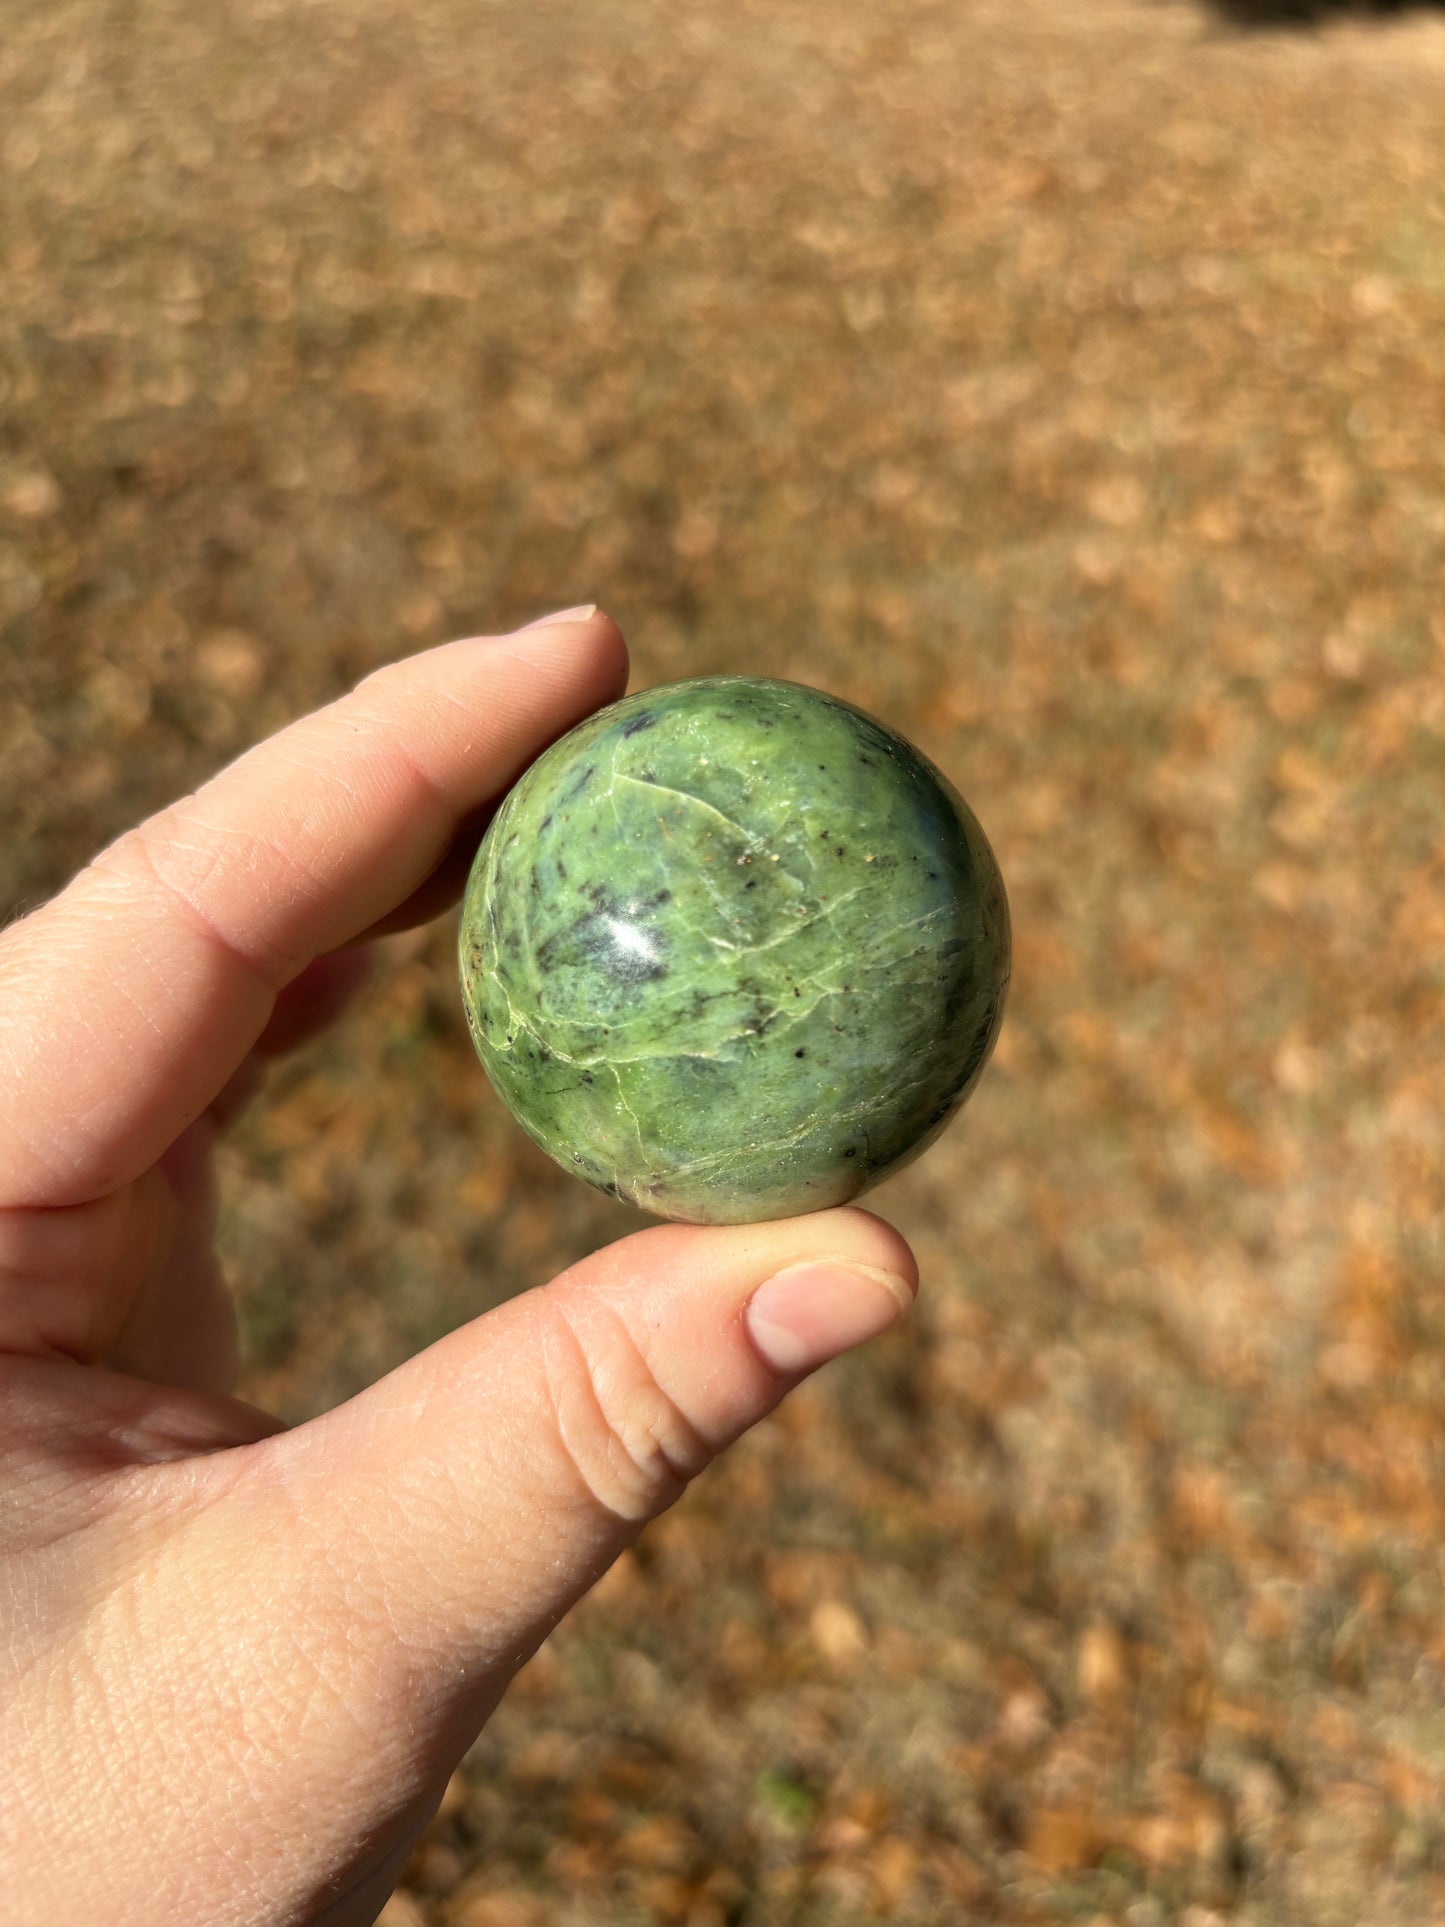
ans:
(1311, 13)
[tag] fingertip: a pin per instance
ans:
(580, 658)
(583, 612)
(587, 636)
(810, 1313)
(896, 1255)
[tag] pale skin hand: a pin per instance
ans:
(239, 1663)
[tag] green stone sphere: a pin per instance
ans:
(732, 950)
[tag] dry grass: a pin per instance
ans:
(1068, 385)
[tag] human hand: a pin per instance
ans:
(241, 1662)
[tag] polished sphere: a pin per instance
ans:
(731, 950)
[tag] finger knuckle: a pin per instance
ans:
(629, 1443)
(181, 860)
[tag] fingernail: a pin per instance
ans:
(584, 612)
(810, 1313)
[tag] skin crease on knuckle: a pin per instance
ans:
(626, 1440)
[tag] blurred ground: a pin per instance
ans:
(1068, 385)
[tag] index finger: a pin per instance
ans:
(131, 997)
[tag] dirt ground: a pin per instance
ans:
(1066, 383)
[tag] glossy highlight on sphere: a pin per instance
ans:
(732, 949)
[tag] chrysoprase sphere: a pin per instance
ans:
(732, 949)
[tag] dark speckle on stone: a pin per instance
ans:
(644, 719)
(580, 783)
(800, 1053)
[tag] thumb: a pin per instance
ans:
(418, 1543)
(513, 1461)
